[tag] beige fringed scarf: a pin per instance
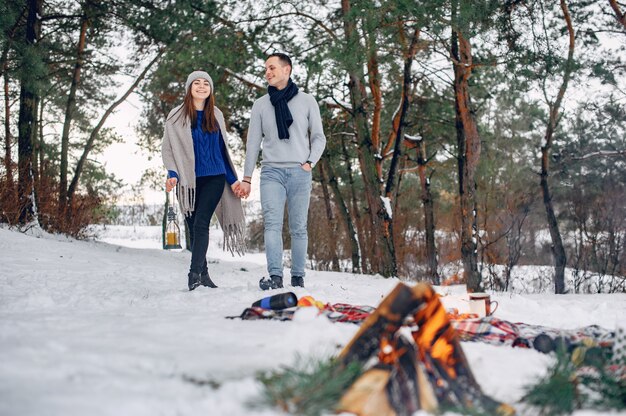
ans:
(177, 150)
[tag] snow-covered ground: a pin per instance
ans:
(109, 328)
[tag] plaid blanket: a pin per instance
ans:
(492, 330)
(337, 312)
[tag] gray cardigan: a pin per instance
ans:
(177, 151)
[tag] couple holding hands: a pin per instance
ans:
(287, 123)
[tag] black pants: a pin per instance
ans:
(209, 191)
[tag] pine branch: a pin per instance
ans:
(578, 380)
(556, 393)
(308, 389)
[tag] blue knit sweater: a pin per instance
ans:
(209, 151)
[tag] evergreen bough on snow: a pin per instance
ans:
(310, 388)
(579, 379)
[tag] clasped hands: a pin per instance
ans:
(240, 188)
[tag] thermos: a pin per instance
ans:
(276, 302)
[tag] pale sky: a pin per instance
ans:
(127, 160)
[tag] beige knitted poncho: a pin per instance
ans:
(177, 151)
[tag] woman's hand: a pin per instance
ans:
(170, 183)
(238, 189)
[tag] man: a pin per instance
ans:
(288, 124)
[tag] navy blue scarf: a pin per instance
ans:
(279, 99)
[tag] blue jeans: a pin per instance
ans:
(280, 186)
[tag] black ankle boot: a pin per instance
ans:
(194, 280)
(297, 281)
(205, 280)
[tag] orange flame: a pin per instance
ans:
(436, 338)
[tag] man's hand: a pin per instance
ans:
(307, 166)
(170, 183)
(245, 188)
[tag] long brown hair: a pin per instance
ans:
(209, 122)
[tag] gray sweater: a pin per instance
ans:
(306, 142)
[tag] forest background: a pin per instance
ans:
(480, 135)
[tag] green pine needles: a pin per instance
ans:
(310, 388)
(556, 394)
(578, 380)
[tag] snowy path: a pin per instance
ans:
(98, 329)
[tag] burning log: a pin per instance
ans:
(428, 371)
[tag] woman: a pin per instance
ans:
(198, 164)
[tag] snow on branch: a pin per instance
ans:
(378, 156)
(387, 205)
(417, 138)
(332, 102)
(601, 153)
(243, 79)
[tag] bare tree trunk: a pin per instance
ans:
(38, 159)
(373, 75)
(621, 17)
(345, 214)
(27, 118)
(396, 134)
(514, 241)
(34, 167)
(469, 153)
(558, 250)
(384, 261)
(38, 156)
(69, 114)
(8, 160)
(614, 248)
(429, 215)
(331, 219)
(391, 188)
(356, 226)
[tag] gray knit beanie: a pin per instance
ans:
(197, 75)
